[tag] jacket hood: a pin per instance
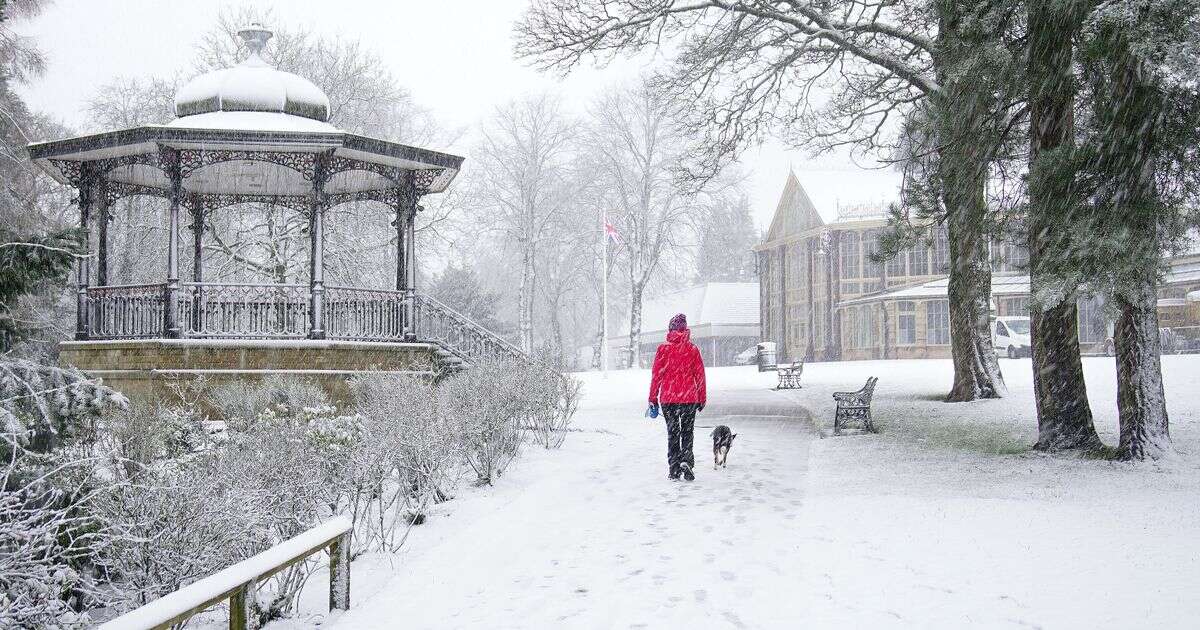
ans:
(679, 336)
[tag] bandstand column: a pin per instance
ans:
(406, 212)
(87, 197)
(318, 204)
(196, 209)
(171, 307)
(105, 216)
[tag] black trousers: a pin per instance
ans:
(681, 423)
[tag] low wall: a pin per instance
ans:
(145, 369)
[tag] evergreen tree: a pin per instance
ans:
(1139, 169)
(726, 236)
(1052, 222)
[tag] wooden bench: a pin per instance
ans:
(853, 406)
(789, 377)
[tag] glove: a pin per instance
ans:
(652, 412)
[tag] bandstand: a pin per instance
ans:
(253, 134)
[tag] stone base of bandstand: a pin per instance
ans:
(153, 369)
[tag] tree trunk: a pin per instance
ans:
(976, 370)
(1141, 402)
(525, 297)
(963, 111)
(1064, 416)
(635, 325)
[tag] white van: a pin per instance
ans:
(1010, 336)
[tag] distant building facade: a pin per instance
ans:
(821, 297)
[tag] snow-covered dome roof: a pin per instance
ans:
(251, 86)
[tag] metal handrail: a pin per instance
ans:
(508, 345)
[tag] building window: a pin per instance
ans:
(896, 267)
(906, 323)
(1093, 326)
(850, 255)
(941, 251)
(937, 322)
(1018, 306)
(866, 324)
(918, 260)
(870, 245)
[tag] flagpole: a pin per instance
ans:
(604, 292)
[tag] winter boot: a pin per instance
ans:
(687, 472)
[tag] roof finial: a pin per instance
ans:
(255, 38)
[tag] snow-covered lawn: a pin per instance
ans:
(945, 519)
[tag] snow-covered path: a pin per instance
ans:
(595, 536)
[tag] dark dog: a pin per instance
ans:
(722, 441)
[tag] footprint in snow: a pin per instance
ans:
(728, 576)
(733, 619)
(700, 595)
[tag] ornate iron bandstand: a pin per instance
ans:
(252, 134)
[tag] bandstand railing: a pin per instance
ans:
(364, 314)
(222, 310)
(250, 311)
(129, 311)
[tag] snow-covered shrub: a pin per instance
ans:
(551, 401)
(413, 443)
(176, 523)
(47, 535)
(46, 406)
(239, 402)
(488, 404)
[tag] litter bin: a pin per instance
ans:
(766, 356)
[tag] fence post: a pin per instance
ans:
(241, 607)
(339, 573)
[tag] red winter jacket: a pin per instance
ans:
(678, 372)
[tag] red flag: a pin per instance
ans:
(612, 232)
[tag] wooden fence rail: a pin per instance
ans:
(238, 582)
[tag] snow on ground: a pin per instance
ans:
(945, 519)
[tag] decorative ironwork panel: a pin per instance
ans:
(424, 178)
(214, 201)
(119, 190)
(393, 197)
(340, 164)
(364, 314)
(192, 159)
(244, 311)
(126, 312)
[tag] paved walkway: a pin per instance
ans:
(595, 536)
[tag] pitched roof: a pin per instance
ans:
(795, 212)
(713, 303)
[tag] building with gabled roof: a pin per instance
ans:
(821, 297)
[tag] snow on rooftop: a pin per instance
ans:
(713, 303)
(257, 121)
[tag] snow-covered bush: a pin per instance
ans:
(488, 404)
(46, 536)
(415, 444)
(551, 400)
(46, 406)
(239, 402)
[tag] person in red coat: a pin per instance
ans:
(677, 385)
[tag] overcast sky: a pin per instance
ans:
(455, 58)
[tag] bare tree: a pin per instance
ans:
(637, 144)
(828, 73)
(524, 184)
